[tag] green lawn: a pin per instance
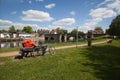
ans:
(99, 62)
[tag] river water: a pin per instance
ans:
(10, 44)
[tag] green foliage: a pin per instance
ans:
(64, 31)
(28, 29)
(114, 28)
(19, 30)
(12, 29)
(61, 31)
(98, 28)
(3, 31)
(74, 32)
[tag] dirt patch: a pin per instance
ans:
(2, 63)
(7, 54)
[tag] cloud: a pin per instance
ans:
(104, 3)
(102, 13)
(64, 22)
(35, 15)
(14, 12)
(90, 24)
(115, 5)
(72, 12)
(49, 6)
(112, 4)
(30, 2)
(39, 0)
(111, 9)
(5, 24)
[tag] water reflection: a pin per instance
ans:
(10, 44)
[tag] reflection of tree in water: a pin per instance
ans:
(10, 44)
(6, 45)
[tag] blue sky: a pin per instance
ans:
(66, 14)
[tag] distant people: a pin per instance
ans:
(89, 38)
(27, 47)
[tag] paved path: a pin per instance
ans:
(8, 54)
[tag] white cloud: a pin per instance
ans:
(90, 24)
(72, 12)
(102, 13)
(35, 15)
(49, 6)
(112, 4)
(39, 0)
(111, 9)
(5, 24)
(14, 12)
(104, 3)
(64, 22)
(54, 27)
(30, 2)
(115, 5)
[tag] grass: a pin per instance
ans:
(9, 49)
(99, 62)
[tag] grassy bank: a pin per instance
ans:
(2, 50)
(100, 62)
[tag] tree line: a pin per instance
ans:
(114, 28)
(26, 29)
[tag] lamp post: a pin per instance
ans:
(77, 37)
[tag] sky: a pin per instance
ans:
(65, 14)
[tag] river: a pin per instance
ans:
(10, 44)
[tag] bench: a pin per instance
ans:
(40, 50)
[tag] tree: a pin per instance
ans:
(114, 28)
(28, 29)
(61, 31)
(18, 30)
(74, 32)
(98, 28)
(3, 31)
(12, 30)
(64, 31)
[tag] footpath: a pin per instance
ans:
(14, 53)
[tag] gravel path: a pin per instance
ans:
(8, 54)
